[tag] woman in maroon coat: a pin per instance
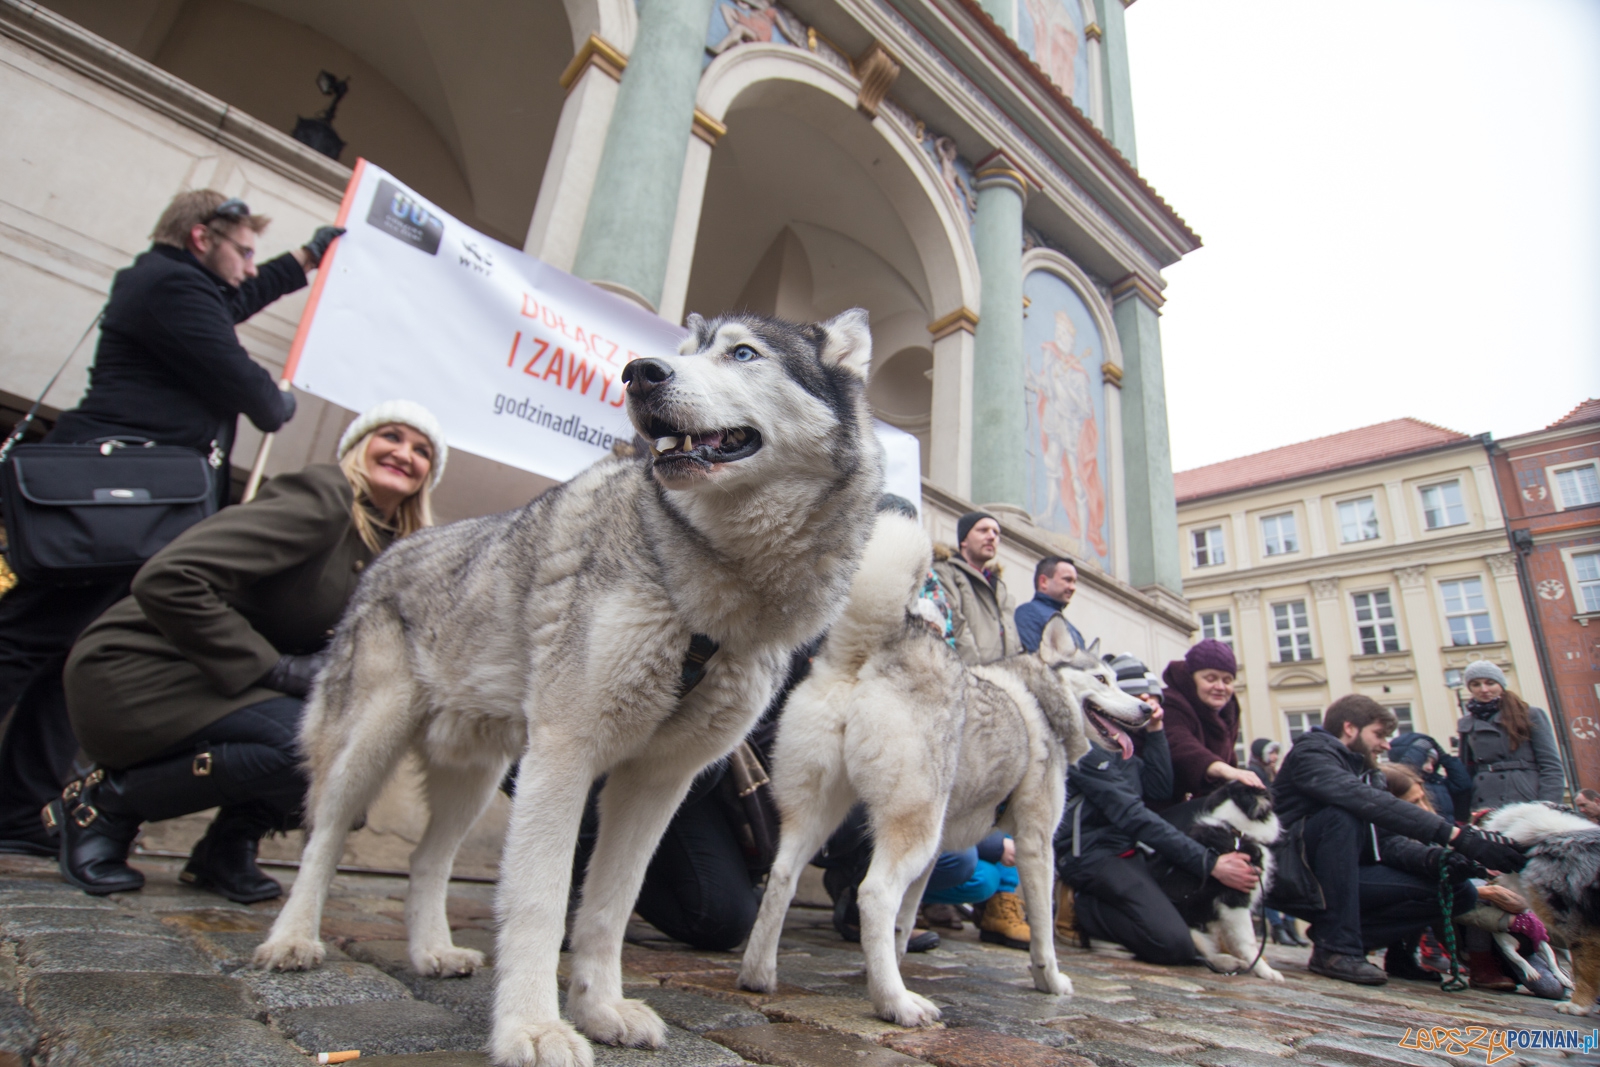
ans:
(1202, 720)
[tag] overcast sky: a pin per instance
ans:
(1400, 205)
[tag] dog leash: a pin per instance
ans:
(1455, 983)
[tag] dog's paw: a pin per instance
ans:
(289, 954)
(632, 1023)
(1568, 1007)
(909, 1009)
(553, 1044)
(447, 962)
(758, 977)
(1050, 980)
(1263, 970)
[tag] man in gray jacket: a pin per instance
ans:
(982, 610)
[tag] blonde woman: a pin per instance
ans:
(188, 694)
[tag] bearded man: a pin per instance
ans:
(1375, 858)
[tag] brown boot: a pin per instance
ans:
(1066, 913)
(1486, 973)
(1005, 921)
(945, 915)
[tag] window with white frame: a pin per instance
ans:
(1452, 678)
(1402, 714)
(1375, 623)
(1578, 486)
(1293, 627)
(1301, 721)
(1358, 520)
(1586, 567)
(1442, 506)
(1466, 612)
(1240, 756)
(1217, 625)
(1207, 545)
(1278, 534)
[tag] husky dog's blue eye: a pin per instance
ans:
(744, 353)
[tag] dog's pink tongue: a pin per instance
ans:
(1125, 741)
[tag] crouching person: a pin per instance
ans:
(189, 693)
(1374, 859)
(1116, 895)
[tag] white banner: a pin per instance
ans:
(520, 362)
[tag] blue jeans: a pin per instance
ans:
(963, 878)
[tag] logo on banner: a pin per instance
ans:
(401, 215)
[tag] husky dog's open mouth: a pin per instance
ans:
(672, 446)
(1110, 731)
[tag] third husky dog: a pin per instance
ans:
(562, 633)
(890, 716)
(1233, 818)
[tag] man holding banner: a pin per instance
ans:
(168, 369)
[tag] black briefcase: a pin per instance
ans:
(96, 512)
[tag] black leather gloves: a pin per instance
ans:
(1494, 851)
(289, 404)
(318, 245)
(293, 675)
(1456, 866)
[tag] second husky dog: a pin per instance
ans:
(1233, 818)
(574, 633)
(890, 716)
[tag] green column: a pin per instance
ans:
(1116, 86)
(1004, 12)
(999, 404)
(1152, 508)
(627, 233)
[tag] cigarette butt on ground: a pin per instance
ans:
(339, 1057)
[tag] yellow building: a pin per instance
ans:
(1374, 561)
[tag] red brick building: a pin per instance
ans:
(1549, 485)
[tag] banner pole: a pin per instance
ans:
(259, 468)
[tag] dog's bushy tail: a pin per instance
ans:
(893, 567)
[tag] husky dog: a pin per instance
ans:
(1233, 818)
(1562, 884)
(560, 633)
(890, 716)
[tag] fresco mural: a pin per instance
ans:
(1067, 451)
(737, 22)
(1051, 31)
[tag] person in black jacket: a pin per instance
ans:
(1115, 895)
(169, 369)
(1375, 858)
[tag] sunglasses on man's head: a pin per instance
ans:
(232, 209)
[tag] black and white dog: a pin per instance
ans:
(1234, 818)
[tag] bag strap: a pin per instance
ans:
(22, 427)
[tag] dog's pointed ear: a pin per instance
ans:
(696, 325)
(849, 342)
(1094, 648)
(1056, 644)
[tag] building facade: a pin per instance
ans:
(1549, 484)
(1375, 561)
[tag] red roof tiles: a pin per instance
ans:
(1588, 411)
(1384, 440)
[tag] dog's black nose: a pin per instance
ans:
(643, 375)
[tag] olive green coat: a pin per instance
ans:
(211, 613)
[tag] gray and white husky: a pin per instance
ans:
(560, 633)
(890, 716)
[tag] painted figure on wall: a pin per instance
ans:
(752, 21)
(1066, 410)
(1052, 33)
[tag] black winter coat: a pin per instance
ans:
(1320, 772)
(169, 366)
(1112, 816)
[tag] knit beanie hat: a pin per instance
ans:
(1261, 746)
(406, 413)
(965, 524)
(1133, 677)
(1482, 668)
(1211, 655)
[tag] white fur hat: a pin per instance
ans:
(407, 413)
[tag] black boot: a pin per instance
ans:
(1284, 934)
(224, 860)
(97, 825)
(1400, 961)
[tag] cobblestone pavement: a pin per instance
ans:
(159, 977)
